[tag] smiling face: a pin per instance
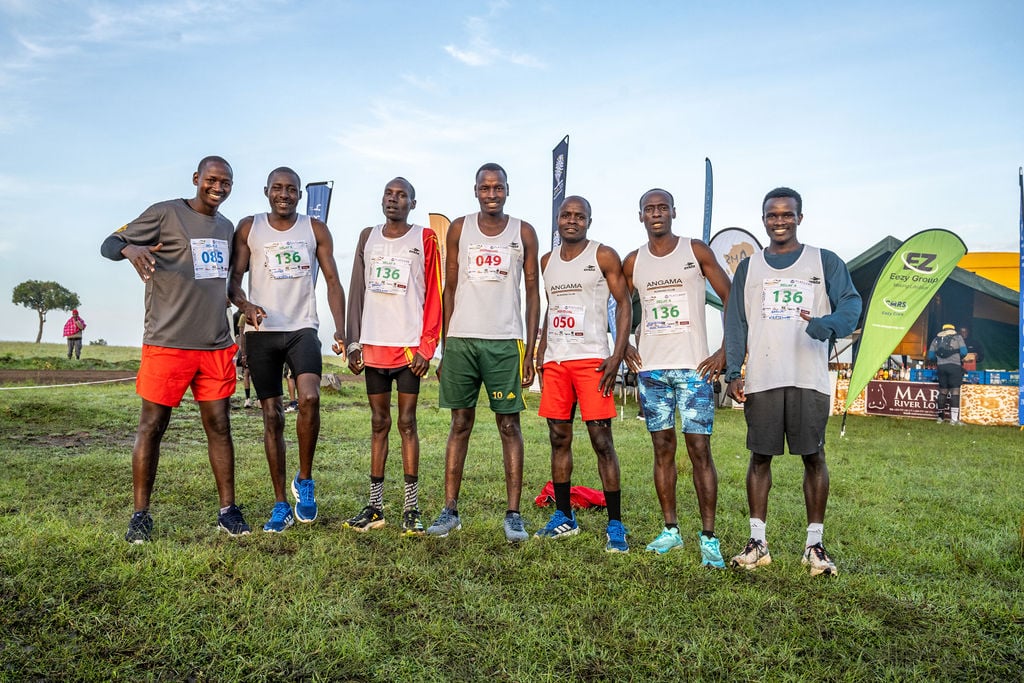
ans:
(283, 191)
(573, 220)
(491, 190)
(657, 212)
(213, 186)
(398, 200)
(781, 218)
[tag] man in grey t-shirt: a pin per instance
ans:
(180, 249)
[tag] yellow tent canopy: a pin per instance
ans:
(1002, 267)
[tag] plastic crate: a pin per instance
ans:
(1010, 377)
(975, 377)
(923, 375)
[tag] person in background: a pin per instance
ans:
(73, 330)
(947, 350)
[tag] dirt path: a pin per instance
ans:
(49, 377)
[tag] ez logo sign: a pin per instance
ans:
(918, 262)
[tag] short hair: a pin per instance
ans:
(412, 190)
(490, 166)
(590, 213)
(671, 199)
(206, 161)
(285, 169)
(783, 193)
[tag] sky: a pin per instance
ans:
(888, 118)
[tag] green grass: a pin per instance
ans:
(924, 523)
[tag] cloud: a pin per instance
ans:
(481, 50)
(401, 133)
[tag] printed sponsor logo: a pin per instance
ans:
(919, 262)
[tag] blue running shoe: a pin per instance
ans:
(616, 534)
(305, 501)
(280, 518)
(515, 528)
(710, 553)
(560, 526)
(445, 523)
(666, 540)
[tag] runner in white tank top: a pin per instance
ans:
(488, 255)
(283, 252)
(577, 368)
(676, 373)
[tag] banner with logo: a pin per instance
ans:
(559, 166)
(732, 245)
(709, 192)
(905, 285)
(1020, 307)
(318, 199)
(439, 224)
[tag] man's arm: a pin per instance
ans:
(630, 353)
(713, 365)
(611, 268)
(137, 241)
(356, 302)
(335, 291)
(451, 274)
(430, 332)
(531, 278)
(844, 298)
(736, 332)
(542, 342)
(239, 264)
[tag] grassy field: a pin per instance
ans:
(924, 524)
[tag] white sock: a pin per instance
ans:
(757, 529)
(814, 532)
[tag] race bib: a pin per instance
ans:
(209, 258)
(785, 298)
(666, 313)
(389, 275)
(288, 260)
(565, 324)
(488, 262)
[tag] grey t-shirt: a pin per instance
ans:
(186, 298)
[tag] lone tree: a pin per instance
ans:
(43, 297)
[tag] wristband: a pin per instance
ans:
(354, 346)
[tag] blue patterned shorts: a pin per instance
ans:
(663, 392)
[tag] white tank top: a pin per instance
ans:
(394, 277)
(488, 299)
(673, 332)
(780, 353)
(577, 307)
(282, 274)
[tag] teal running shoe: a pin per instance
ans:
(710, 553)
(666, 540)
(445, 523)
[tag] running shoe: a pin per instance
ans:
(305, 501)
(411, 523)
(710, 553)
(666, 540)
(616, 535)
(292, 407)
(515, 528)
(445, 523)
(248, 403)
(280, 518)
(754, 555)
(368, 518)
(233, 522)
(816, 556)
(140, 528)
(560, 526)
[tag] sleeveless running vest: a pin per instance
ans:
(282, 274)
(394, 278)
(488, 299)
(780, 353)
(577, 306)
(673, 330)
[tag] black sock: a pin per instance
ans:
(562, 501)
(672, 526)
(613, 499)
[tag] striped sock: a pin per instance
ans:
(412, 491)
(377, 492)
